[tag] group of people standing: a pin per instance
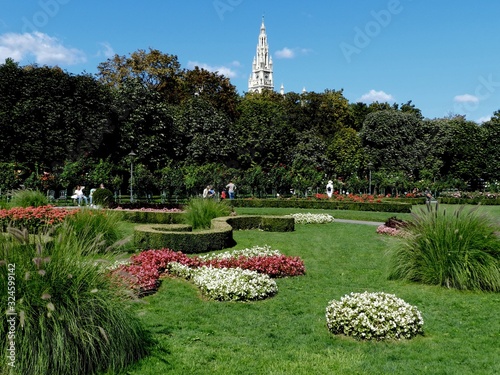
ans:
(209, 191)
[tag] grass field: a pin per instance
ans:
(287, 334)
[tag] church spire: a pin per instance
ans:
(262, 67)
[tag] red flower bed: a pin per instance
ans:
(274, 266)
(33, 218)
(143, 274)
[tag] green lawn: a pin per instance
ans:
(287, 334)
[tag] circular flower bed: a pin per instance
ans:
(373, 316)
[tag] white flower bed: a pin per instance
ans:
(227, 284)
(256, 251)
(371, 316)
(312, 218)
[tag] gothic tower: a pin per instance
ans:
(262, 67)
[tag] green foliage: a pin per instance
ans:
(71, 318)
(101, 226)
(102, 197)
(28, 198)
(200, 212)
(457, 250)
(8, 180)
(324, 204)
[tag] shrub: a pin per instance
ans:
(71, 319)
(200, 212)
(459, 250)
(373, 316)
(28, 198)
(103, 198)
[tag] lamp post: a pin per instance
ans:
(132, 155)
(370, 165)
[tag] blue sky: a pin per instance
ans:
(441, 55)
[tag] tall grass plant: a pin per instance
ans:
(28, 198)
(70, 317)
(200, 212)
(102, 227)
(453, 248)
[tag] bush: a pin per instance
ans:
(369, 316)
(459, 250)
(200, 212)
(103, 198)
(71, 319)
(28, 198)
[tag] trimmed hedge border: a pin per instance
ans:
(158, 217)
(461, 201)
(220, 236)
(317, 204)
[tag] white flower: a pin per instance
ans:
(312, 218)
(256, 251)
(228, 284)
(373, 316)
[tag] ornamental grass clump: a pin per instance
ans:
(99, 226)
(458, 250)
(200, 212)
(28, 198)
(373, 316)
(69, 316)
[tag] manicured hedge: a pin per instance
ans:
(219, 236)
(322, 204)
(150, 217)
(482, 201)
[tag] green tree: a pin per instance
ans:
(263, 134)
(491, 146)
(155, 70)
(392, 141)
(207, 135)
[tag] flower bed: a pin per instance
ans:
(392, 227)
(227, 284)
(310, 218)
(373, 316)
(33, 218)
(144, 272)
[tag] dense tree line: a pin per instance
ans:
(190, 128)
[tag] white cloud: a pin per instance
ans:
(226, 71)
(290, 53)
(45, 49)
(466, 98)
(483, 119)
(285, 53)
(106, 50)
(376, 96)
